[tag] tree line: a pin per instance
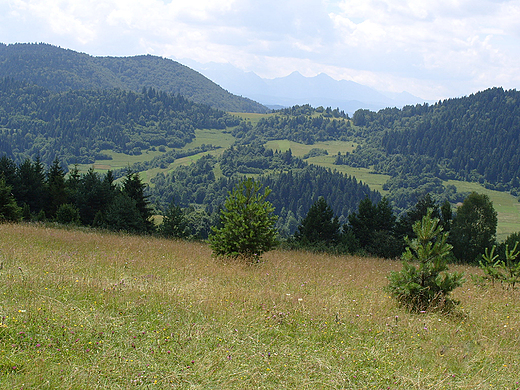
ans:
(30, 192)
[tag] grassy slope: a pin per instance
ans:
(93, 310)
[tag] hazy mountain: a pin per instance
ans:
(60, 70)
(320, 90)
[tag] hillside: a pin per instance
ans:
(60, 69)
(76, 126)
(98, 310)
(474, 138)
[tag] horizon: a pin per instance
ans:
(435, 51)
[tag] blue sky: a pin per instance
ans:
(432, 49)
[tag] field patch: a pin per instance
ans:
(103, 310)
(299, 150)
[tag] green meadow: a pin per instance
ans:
(87, 309)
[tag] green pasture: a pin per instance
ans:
(83, 309)
(299, 150)
(220, 138)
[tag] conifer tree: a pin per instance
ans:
(426, 284)
(134, 188)
(9, 210)
(319, 225)
(56, 188)
(247, 223)
(174, 223)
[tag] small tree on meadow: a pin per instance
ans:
(247, 223)
(427, 285)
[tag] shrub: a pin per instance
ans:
(67, 214)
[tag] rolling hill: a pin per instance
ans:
(60, 69)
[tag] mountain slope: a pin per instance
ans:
(60, 69)
(76, 125)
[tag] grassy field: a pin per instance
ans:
(82, 309)
(219, 138)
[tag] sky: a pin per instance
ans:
(432, 49)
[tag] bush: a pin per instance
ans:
(67, 214)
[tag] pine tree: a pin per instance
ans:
(9, 210)
(247, 223)
(174, 223)
(426, 286)
(134, 188)
(56, 188)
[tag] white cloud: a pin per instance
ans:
(432, 49)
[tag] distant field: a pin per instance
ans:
(219, 138)
(215, 137)
(299, 150)
(119, 160)
(94, 310)
(252, 117)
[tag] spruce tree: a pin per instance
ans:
(56, 188)
(9, 210)
(174, 223)
(134, 188)
(319, 226)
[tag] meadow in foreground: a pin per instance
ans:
(82, 309)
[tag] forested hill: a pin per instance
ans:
(60, 69)
(474, 138)
(76, 126)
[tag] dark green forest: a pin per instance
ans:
(61, 70)
(303, 124)
(473, 138)
(76, 126)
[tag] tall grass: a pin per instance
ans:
(82, 309)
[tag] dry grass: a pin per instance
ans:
(93, 310)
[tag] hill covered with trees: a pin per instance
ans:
(473, 138)
(76, 126)
(61, 70)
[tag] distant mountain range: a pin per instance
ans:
(60, 69)
(221, 86)
(320, 90)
